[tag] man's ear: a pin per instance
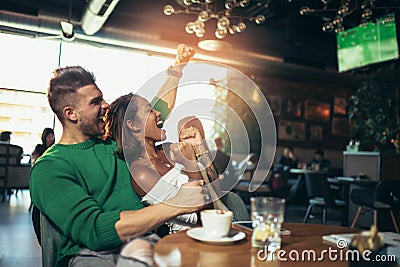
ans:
(70, 114)
(133, 125)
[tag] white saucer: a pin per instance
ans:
(199, 234)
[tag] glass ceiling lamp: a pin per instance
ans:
(347, 8)
(230, 15)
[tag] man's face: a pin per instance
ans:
(91, 109)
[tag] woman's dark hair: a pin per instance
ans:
(64, 82)
(45, 133)
(121, 110)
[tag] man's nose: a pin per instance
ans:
(105, 105)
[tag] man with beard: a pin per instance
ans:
(83, 187)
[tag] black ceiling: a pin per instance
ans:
(286, 34)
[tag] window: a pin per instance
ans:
(25, 74)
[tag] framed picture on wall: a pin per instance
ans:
(340, 126)
(293, 107)
(275, 103)
(316, 133)
(339, 106)
(290, 130)
(317, 111)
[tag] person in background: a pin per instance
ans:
(47, 141)
(281, 178)
(5, 137)
(222, 159)
(319, 162)
(288, 159)
(83, 187)
(282, 169)
(223, 165)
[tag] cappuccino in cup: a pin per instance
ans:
(216, 223)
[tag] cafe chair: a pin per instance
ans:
(321, 196)
(13, 174)
(236, 204)
(295, 189)
(377, 200)
(50, 241)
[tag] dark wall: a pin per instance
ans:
(309, 105)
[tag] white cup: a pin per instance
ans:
(216, 223)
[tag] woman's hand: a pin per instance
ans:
(190, 135)
(183, 54)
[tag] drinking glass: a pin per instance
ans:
(267, 215)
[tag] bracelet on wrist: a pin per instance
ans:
(198, 148)
(172, 72)
(201, 153)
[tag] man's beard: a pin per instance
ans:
(91, 129)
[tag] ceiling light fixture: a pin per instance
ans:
(67, 30)
(229, 14)
(354, 10)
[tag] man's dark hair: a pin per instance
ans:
(65, 82)
(319, 152)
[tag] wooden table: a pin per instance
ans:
(180, 250)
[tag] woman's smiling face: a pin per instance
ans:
(149, 119)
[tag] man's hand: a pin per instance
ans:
(191, 197)
(183, 54)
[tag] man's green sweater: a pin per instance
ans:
(83, 188)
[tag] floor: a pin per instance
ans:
(19, 247)
(18, 244)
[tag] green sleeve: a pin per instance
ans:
(161, 106)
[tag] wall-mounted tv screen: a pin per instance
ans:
(367, 44)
